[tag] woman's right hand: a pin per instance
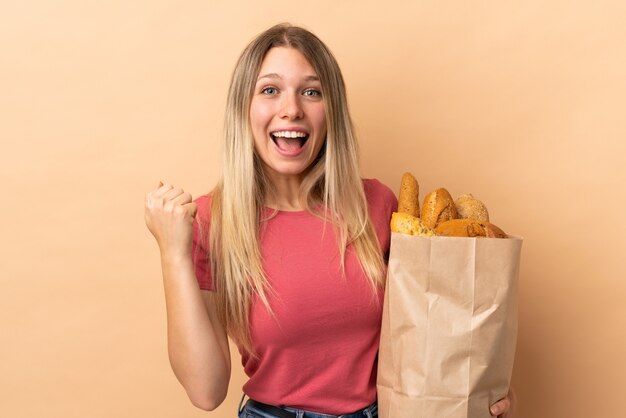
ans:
(169, 215)
(197, 342)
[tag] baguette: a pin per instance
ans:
(408, 199)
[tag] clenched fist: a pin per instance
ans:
(169, 215)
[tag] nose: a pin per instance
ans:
(290, 107)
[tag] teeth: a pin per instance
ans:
(289, 134)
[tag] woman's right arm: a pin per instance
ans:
(197, 343)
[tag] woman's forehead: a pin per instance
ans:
(280, 62)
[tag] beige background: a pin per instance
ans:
(520, 103)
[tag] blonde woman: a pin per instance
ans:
(287, 254)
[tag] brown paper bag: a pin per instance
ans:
(449, 326)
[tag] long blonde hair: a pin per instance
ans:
(238, 199)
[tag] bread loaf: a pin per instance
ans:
(469, 228)
(408, 224)
(492, 231)
(438, 207)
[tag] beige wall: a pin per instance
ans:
(520, 103)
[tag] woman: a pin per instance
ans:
(286, 254)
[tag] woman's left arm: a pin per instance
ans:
(504, 408)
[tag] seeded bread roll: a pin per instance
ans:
(438, 207)
(408, 224)
(469, 228)
(468, 207)
(408, 199)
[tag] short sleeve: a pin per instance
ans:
(382, 202)
(200, 245)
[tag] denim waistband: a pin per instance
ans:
(370, 411)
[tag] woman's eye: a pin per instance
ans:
(269, 90)
(312, 93)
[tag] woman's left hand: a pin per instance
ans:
(504, 408)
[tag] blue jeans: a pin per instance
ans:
(249, 411)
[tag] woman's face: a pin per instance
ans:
(287, 114)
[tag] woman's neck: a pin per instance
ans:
(286, 193)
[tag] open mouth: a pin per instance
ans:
(290, 142)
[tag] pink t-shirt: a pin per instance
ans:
(319, 353)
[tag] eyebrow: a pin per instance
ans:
(274, 75)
